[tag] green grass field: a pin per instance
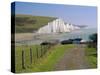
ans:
(45, 63)
(29, 23)
(91, 57)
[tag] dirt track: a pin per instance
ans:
(72, 59)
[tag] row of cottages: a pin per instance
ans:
(57, 26)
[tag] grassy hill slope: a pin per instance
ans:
(29, 23)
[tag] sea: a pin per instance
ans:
(82, 33)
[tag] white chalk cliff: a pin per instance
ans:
(57, 26)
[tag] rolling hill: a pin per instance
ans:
(29, 23)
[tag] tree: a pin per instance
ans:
(93, 38)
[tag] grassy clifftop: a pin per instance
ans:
(29, 23)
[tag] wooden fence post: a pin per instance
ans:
(41, 51)
(31, 56)
(37, 51)
(44, 49)
(23, 60)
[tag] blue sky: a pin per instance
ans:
(75, 14)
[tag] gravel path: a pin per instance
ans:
(72, 59)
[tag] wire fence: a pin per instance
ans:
(26, 58)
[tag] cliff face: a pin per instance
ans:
(57, 26)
